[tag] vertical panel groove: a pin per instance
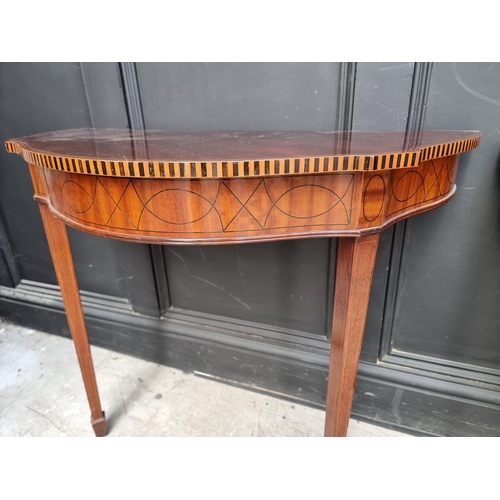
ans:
(9, 256)
(345, 113)
(135, 115)
(132, 95)
(417, 107)
(419, 95)
(86, 88)
(345, 110)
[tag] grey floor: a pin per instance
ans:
(41, 394)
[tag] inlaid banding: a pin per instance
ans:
(243, 168)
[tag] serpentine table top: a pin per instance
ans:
(237, 187)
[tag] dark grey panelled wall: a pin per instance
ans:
(218, 96)
(259, 314)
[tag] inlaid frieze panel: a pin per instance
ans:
(203, 207)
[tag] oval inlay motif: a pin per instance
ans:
(304, 202)
(178, 206)
(403, 191)
(373, 198)
(76, 197)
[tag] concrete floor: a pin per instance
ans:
(41, 394)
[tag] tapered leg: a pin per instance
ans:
(65, 271)
(355, 263)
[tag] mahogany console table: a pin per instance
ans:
(237, 187)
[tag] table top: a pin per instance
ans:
(154, 153)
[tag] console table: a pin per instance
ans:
(203, 188)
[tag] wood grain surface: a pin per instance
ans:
(205, 155)
(231, 187)
(62, 259)
(355, 264)
(235, 210)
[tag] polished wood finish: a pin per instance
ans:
(60, 249)
(237, 187)
(202, 155)
(355, 263)
(259, 209)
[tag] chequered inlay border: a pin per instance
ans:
(251, 168)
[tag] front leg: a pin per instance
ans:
(62, 258)
(355, 264)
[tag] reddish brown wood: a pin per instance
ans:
(198, 155)
(255, 209)
(100, 426)
(355, 263)
(63, 263)
(235, 187)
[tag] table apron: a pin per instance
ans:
(211, 211)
